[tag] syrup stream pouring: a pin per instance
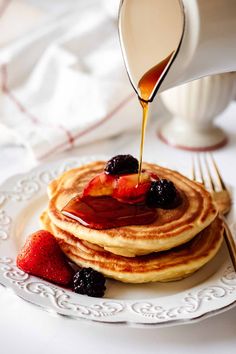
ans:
(147, 72)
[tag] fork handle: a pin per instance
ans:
(230, 242)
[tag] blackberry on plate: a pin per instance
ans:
(162, 194)
(121, 165)
(88, 281)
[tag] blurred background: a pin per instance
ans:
(63, 83)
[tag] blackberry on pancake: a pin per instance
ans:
(162, 194)
(121, 165)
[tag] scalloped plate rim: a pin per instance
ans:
(129, 320)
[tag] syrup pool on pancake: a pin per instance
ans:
(114, 198)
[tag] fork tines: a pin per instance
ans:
(202, 165)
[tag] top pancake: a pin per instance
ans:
(171, 228)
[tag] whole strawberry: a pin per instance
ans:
(42, 256)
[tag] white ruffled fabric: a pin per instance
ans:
(64, 82)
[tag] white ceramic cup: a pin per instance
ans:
(194, 107)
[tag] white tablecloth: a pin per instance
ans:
(25, 328)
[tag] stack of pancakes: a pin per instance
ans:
(179, 242)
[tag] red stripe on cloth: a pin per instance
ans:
(6, 90)
(70, 137)
(4, 6)
(92, 127)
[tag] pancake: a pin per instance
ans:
(164, 266)
(171, 228)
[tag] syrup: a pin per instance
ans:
(146, 86)
(106, 212)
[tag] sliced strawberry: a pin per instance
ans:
(102, 184)
(42, 256)
(128, 189)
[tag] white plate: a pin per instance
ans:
(207, 292)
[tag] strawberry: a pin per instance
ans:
(102, 184)
(128, 189)
(42, 256)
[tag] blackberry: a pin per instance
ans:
(162, 194)
(121, 165)
(89, 282)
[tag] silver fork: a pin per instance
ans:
(202, 173)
